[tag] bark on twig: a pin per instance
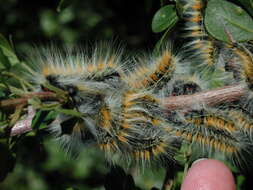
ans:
(23, 125)
(208, 98)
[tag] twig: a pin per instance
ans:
(209, 98)
(24, 100)
(23, 125)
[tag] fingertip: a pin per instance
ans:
(209, 174)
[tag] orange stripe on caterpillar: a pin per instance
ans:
(149, 75)
(61, 70)
(159, 149)
(105, 118)
(247, 64)
(196, 18)
(122, 138)
(125, 125)
(243, 122)
(151, 152)
(197, 6)
(164, 62)
(220, 123)
(215, 121)
(201, 139)
(196, 33)
(201, 43)
(69, 69)
(109, 147)
(100, 66)
(132, 96)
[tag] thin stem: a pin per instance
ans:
(24, 100)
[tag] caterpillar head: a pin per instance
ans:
(87, 86)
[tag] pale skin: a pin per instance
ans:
(209, 174)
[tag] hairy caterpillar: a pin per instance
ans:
(156, 74)
(242, 69)
(121, 109)
(242, 120)
(199, 43)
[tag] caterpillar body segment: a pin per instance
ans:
(155, 72)
(200, 45)
(139, 133)
(242, 120)
(184, 86)
(215, 133)
(72, 65)
(215, 121)
(228, 60)
(243, 70)
(206, 142)
(246, 62)
(144, 123)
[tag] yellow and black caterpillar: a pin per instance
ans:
(122, 109)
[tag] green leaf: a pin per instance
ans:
(181, 157)
(7, 55)
(50, 116)
(166, 17)
(5, 43)
(228, 22)
(38, 119)
(69, 112)
(4, 62)
(10, 54)
(2, 94)
(3, 124)
(240, 180)
(42, 118)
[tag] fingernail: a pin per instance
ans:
(196, 161)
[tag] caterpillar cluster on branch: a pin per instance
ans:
(122, 108)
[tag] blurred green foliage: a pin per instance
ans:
(78, 21)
